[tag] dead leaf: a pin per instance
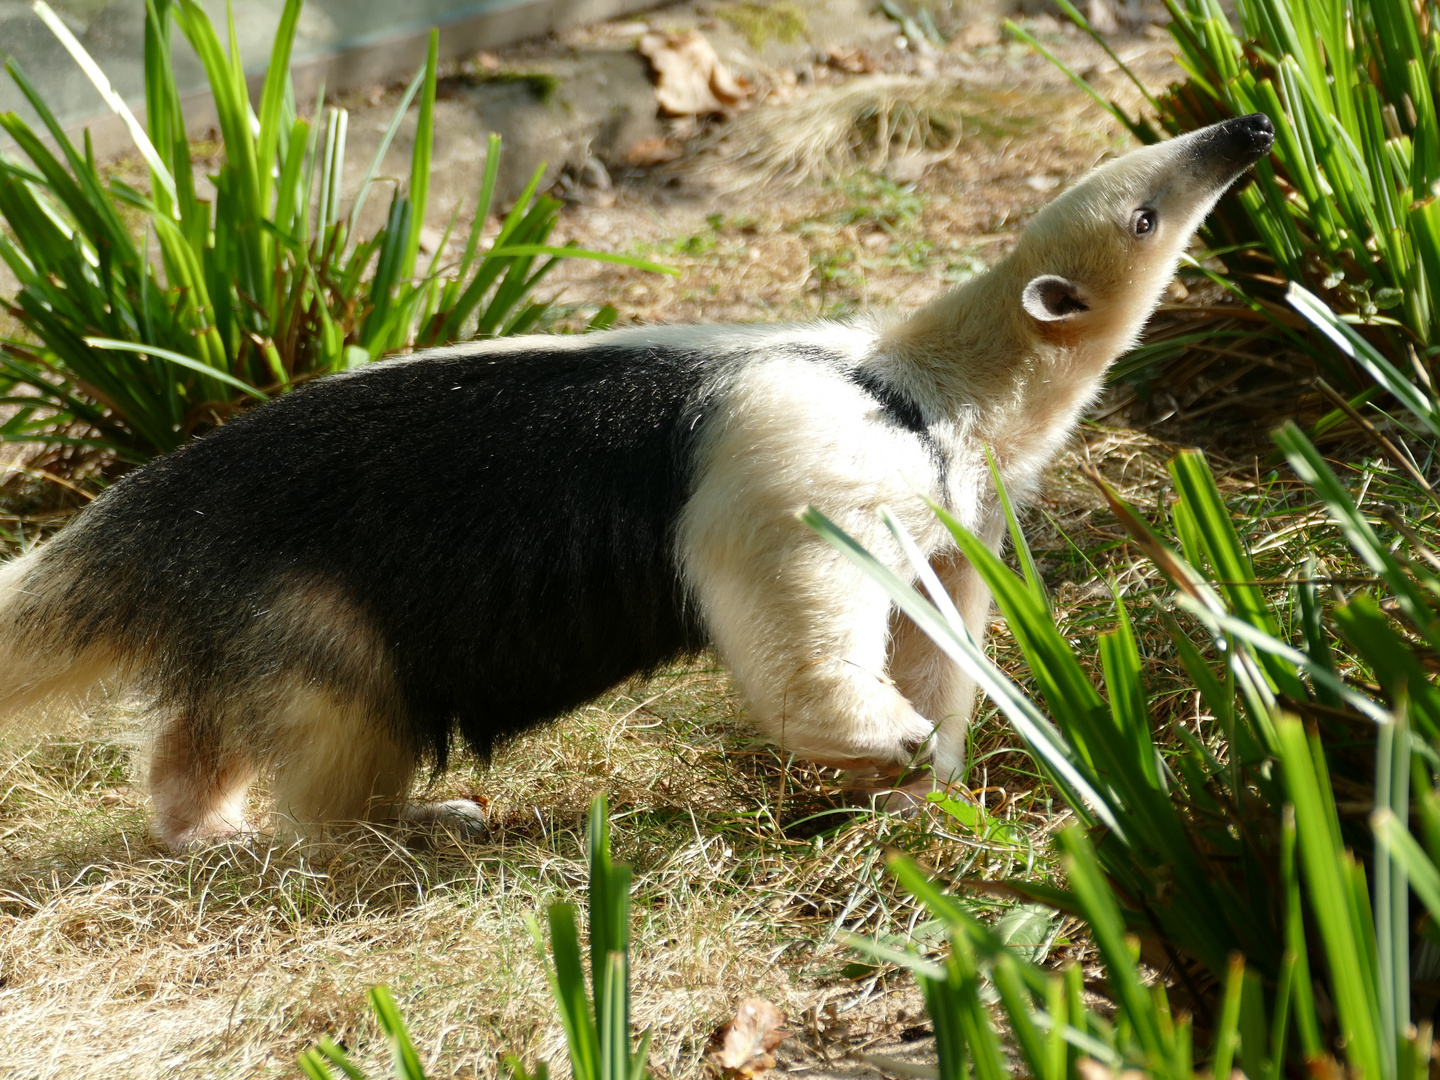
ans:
(656, 151)
(690, 80)
(979, 34)
(853, 61)
(742, 1047)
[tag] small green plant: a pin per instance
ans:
(776, 20)
(1225, 860)
(262, 284)
(405, 1060)
(596, 1019)
(919, 27)
(871, 199)
(597, 1022)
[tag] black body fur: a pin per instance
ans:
(506, 521)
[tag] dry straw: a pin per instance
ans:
(878, 122)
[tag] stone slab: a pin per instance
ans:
(343, 43)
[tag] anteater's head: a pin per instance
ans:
(1096, 260)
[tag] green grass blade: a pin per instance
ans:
(1325, 865)
(272, 97)
(482, 202)
(1255, 1043)
(1215, 532)
(420, 162)
(117, 105)
(1354, 346)
(1310, 466)
(290, 200)
(603, 898)
(1392, 890)
(1317, 642)
(1109, 106)
(972, 1016)
(405, 1060)
(1395, 839)
(613, 1019)
(889, 954)
(1018, 544)
(1264, 644)
(1227, 1030)
(1097, 900)
(1019, 1010)
(604, 319)
(1403, 679)
(1058, 674)
(177, 359)
(530, 250)
(82, 195)
(942, 1003)
(567, 986)
(525, 219)
(1120, 661)
(1073, 14)
(162, 111)
(363, 192)
(639, 1062)
(248, 244)
(313, 1063)
(918, 884)
(1427, 805)
(332, 171)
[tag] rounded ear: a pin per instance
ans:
(1051, 298)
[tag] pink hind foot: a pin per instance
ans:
(199, 800)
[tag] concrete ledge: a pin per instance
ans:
(393, 53)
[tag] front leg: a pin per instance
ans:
(805, 631)
(802, 628)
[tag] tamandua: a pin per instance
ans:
(483, 536)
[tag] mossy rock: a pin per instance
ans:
(760, 24)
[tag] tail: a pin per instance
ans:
(50, 645)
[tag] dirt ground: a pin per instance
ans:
(117, 959)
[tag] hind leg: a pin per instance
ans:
(198, 789)
(337, 762)
(366, 780)
(939, 689)
(342, 763)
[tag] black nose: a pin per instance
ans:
(1234, 144)
(1256, 130)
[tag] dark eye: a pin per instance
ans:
(1144, 221)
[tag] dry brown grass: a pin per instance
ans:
(119, 959)
(875, 123)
